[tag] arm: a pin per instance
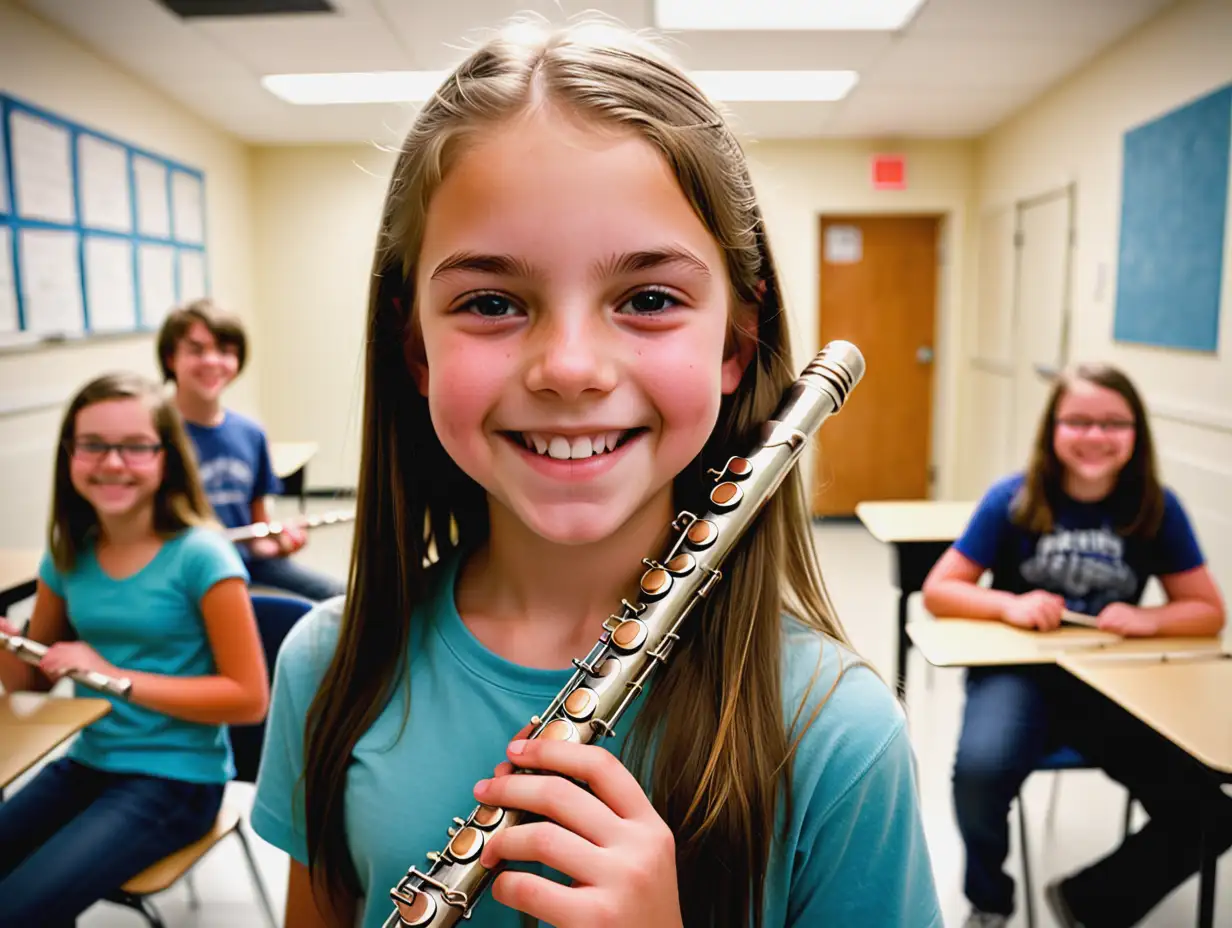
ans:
(302, 911)
(48, 624)
(952, 590)
(238, 694)
(867, 861)
(1194, 608)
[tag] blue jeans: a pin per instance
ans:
(285, 574)
(1016, 715)
(75, 834)
(1007, 729)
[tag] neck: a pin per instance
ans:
(1087, 491)
(557, 594)
(128, 528)
(197, 410)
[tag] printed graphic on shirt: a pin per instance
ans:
(227, 481)
(1086, 566)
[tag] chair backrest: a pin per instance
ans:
(276, 616)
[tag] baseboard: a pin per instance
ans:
(330, 492)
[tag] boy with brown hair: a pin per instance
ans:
(202, 350)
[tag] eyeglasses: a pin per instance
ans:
(92, 451)
(1083, 423)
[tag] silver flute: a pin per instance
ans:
(640, 638)
(32, 652)
(269, 529)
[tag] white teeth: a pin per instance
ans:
(562, 448)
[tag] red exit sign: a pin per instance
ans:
(889, 172)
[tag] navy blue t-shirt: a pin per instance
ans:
(235, 466)
(1083, 558)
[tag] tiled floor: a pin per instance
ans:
(1086, 823)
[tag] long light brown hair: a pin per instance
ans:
(721, 745)
(1137, 499)
(180, 500)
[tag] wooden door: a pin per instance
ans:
(879, 291)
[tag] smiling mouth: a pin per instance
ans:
(573, 448)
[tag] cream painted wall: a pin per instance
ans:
(39, 64)
(317, 211)
(1074, 134)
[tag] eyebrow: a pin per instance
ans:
(629, 263)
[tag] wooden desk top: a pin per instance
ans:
(914, 520)
(18, 565)
(33, 725)
(1186, 702)
(290, 456)
(979, 643)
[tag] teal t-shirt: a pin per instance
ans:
(855, 852)
(150, 621)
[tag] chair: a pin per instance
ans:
(1063, 758)
(275, 615)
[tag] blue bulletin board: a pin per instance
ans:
(96, 235)
(1174, 217)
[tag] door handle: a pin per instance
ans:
(924, 354)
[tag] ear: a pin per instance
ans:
(415, 355)
(741, 345)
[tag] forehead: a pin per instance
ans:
(199, 334)
(1085, 397)
(116, 418)
(560, 192)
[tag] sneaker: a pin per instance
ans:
(1059, 908)
(978, 919)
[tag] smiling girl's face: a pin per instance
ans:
(574, 314)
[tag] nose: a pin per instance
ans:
(111, 459)
(572, 353)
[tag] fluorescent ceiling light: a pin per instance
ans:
(358, 87)
(854, 15)
(417, 86)
(776, 86)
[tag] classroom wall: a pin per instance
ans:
(43, 66)
(1074, 134)
(317, 210)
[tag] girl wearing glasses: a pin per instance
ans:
(136, 583)
(1082, 529)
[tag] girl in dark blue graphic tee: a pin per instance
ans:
(1082, 529)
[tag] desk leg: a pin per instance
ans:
(914, 560)
(1206, 885)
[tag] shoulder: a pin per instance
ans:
(208, 553)
(1002, 492)
(846, 716)
(307, 650)
(244, 425)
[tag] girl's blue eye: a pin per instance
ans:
(650, 301)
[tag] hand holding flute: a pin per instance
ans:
(34, 653)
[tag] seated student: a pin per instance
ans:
(202, 350)
(135, 584)
(1082, 529)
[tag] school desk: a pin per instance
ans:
(919, 531)
(987, 643)
(18, 569)
(291, 465)
(33, 725)
(1185, 701)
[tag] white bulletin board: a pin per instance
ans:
(96, 235)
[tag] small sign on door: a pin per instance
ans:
(843, 245)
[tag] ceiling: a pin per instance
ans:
(956, 70)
